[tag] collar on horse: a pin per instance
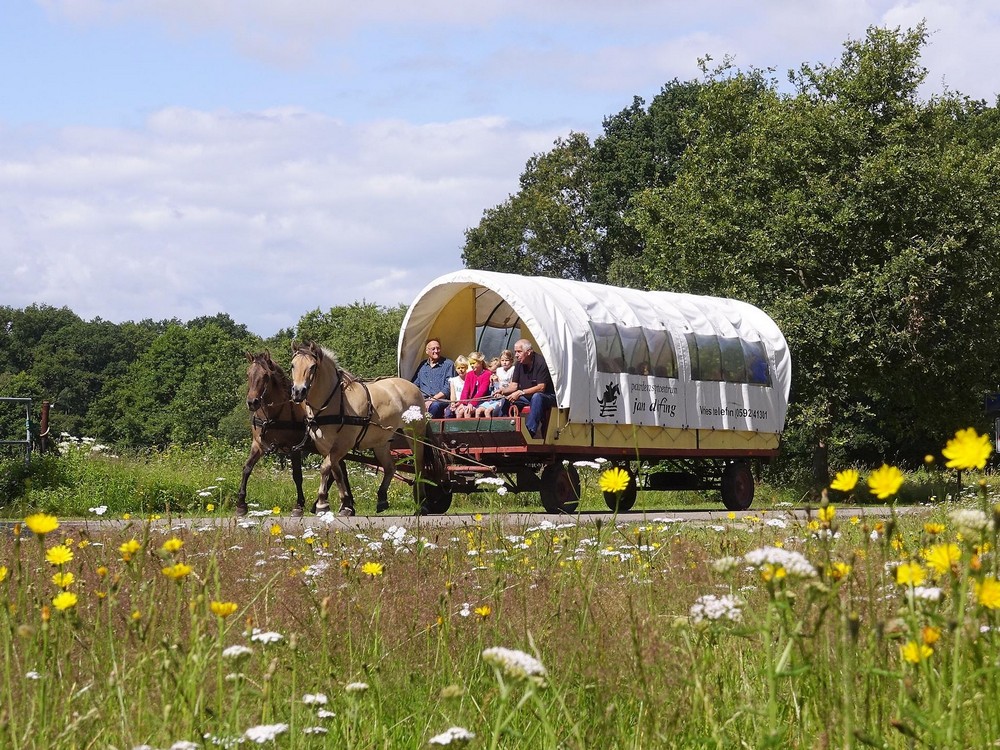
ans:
(319, 419)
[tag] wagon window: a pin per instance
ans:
(492, 340)
(663, 362)
(636, 350)
(706, 357)
(610, 356)
(755, 356)
(734, 369)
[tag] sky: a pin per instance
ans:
(180, 158)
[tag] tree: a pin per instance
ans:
(364, 336)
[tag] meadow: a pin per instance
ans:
(185, 628)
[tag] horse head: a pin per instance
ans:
(265, 380)
(306, 358)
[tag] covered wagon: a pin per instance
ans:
(679, 390)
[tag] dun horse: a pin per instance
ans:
(278, 424)
(346, 414)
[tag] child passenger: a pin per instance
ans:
(501, 379)
(476, 388)
(457, 383)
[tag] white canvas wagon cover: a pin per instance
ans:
(621, 355)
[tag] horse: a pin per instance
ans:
(346, 414)
(277, 423)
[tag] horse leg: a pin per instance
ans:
(300, 499)
(241, 497)
(384, 457)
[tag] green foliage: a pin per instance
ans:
(363, 335)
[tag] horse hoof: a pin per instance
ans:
(297, 512)
(241, 510)
(382, 505)
(321, 509)
(346, 510)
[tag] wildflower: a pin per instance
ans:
(885, 481)
(988, 592)
(925, 593)
(100, 510)
(172, 545)
(483, 611)
(413, 414)
(64, 600)
(967, 450)
(236, 652)
(101, 571)
(372, 569)
(909, 574)
(32, 675)
(915, 653)
(177, 571)
(516, 664)
(854, 520)
(970, 522)
(791, 562)
(942, 557)
(259, 636)
(933, 528)
(839, 570)
(63, 579)
(930, 635)
(41, 523)
(827, 513)
(614, 480)
(276, 510)
(458, 735)
(265, 732)
(3, 573)
(210, 507)
(136, 615)
(314, 699)
(129, 548)
(845, 480)
(223, 609)
(726, 564)
(275, 529)
(355, 687)
(710, 608)
(185, 745)
(59, 555)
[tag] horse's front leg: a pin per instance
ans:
(241, 497)
(334, 470)
(300, 498)
(384, 457)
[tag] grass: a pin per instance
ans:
(762, 631)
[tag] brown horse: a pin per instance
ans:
(346, 414)
(278, 425)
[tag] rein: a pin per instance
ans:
(318, 419)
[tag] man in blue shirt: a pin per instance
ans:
(432, 379)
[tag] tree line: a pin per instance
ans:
(861, 217)
(153, 383)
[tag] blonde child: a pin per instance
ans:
(457, 383)
(476, 388)
(501, 379)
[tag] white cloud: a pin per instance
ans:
(262, 215)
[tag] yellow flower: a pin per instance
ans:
(988, 592)
(614, 480)
(839, 570)
(967, 450)
(845, 480)
(275, 530)
(101, 571)
(3, 573)
(172, 544)
(929, 459)
(63, 579)
(854, 520)
(914, 652)
(210, 507)
(941, 557)
(223, 609)
(813, 525)
(826, 513)
(128, 549)
(885, 481)
(910, 574)
(372, 569)
(176, 571)
(136, 615)
(483, 611)
(930, 635)
(41, 523)
(64, 600)
(59, 555)
(933, 528)
(276, 510)
(772, 572)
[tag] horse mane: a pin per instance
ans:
(306, 348)
(273, 369)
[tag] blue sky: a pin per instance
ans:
(178, 158)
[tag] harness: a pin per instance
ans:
(319, 419)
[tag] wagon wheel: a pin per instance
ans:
(432, 491)
(623, 503)
(737, 486)
(559, 487)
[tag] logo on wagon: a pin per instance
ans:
(609, 401)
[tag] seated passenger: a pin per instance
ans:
(531, 385)
(476, 388)
(456, 384)
(497, 405)
(432, 379)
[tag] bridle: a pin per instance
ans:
(318, 419)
